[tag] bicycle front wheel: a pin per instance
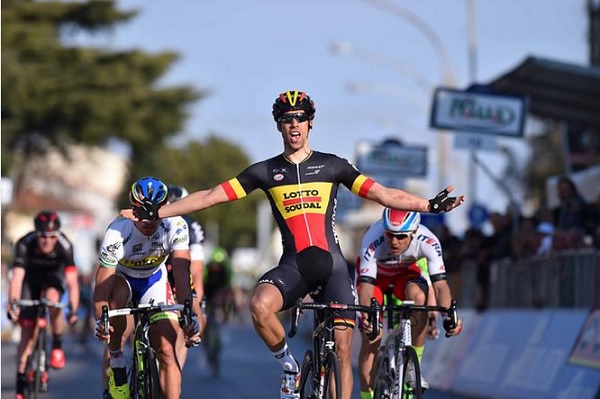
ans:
(152, 380)
(306, 378)
(410, 375)
(332, 374)
(383, 379)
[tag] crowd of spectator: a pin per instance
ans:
(573, 225)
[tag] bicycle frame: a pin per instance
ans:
(397, 352)
(144, 379)
(37, 361)
(321, 362)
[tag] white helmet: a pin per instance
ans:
(176, 193)
(398, 222)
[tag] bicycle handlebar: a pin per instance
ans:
(373, 311)
(140, 309)
(409, 306)
(24, 303)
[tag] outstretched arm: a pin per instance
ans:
(194, 202)
(400, 199)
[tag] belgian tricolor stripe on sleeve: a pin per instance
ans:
(233, 189)
(361, 185)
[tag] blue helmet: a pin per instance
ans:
(148, 188)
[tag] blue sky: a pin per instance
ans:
(246, 52)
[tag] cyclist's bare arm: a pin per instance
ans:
(103, 288)
(197, 272)
(16, 283)
(444, 298)
(365, 293)
(181, 273)
(194, 202)
(73, 286)
(14, 290)
(400, 199)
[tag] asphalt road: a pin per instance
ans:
(249, 370)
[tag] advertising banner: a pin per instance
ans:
(478, 112)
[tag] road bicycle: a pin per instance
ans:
(37, 367)
(211, 337)
(144, 381)
(398, 372)
(320, 367)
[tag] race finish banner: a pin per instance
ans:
(479, 112)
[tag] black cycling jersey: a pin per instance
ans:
(303, 202)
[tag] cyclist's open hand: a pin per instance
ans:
(442, 202)
(451, 332)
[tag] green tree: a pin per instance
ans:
(54, 94)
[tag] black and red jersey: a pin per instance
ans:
(28, 256)
(302, 196)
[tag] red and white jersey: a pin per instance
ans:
(375, 258)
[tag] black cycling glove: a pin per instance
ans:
(146, 211)
(441, 201)
(449, 324)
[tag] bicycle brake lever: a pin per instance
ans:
(105, 323)
(295, 319)
(450, 324)
(375, 322)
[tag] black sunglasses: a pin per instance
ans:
(287, 118)
(400, 236)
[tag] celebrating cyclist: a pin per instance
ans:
(196, 236)
(132, 269)
(43, 267)
(392, 253)
(301, 185)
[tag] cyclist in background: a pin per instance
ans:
(217, 284)
(196, 235)
(301, 185)
(43, 267)
(219, 301)
(132, 270)
(393, 253)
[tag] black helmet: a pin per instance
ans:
(176, 193)
(293, 100)
(46, 222)
(148, 188)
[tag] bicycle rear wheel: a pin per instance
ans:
(411, 371)
(332, 373)
(306, 386)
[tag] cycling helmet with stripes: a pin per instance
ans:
(148, 190)
(46, 222)
(176, 193)
(397, 222)
(293, 100)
